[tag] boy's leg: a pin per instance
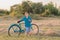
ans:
(27, 30)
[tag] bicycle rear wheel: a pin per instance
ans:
(14, 30)
(35, 29)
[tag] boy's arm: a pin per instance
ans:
(21, 20)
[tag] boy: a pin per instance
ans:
(27, 19)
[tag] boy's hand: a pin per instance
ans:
(18, 21)
(29, 20)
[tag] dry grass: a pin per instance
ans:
(46, 26)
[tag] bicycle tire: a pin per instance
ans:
(12, 27)
(37, 28)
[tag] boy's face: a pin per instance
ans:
(26, 14)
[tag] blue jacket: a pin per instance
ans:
(27, 21)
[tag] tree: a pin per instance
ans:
(37, 7)
(59, 11)
(52, 10)
(16, 10)
(4, 12)
(26, 7)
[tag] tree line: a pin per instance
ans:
(34, 8)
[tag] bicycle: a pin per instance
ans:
(17, 29)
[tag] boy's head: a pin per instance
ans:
(26, 14)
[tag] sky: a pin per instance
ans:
(6, 4)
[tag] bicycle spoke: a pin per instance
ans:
(34, 29)
(14, 31)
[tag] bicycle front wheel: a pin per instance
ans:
(35, 29)
(14, 30)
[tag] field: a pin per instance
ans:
(47, 27)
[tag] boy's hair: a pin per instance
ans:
(24, 12)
